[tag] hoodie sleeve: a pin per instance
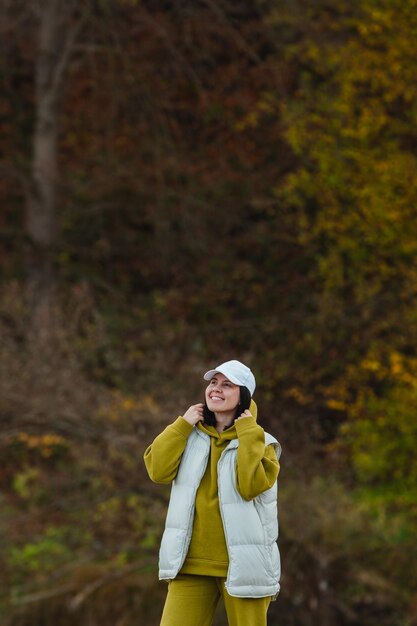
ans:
(163, 456)
(257, 465)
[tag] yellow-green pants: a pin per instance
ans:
(192, 601)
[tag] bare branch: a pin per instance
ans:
(78, 600)
(33, 598)
(240, 41)
(175, 52)
(68, 49)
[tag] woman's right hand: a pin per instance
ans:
(194, 414)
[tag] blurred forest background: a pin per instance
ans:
(183, 182)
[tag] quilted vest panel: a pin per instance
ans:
(251, 527)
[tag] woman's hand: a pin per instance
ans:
(194, 414)
(246, 413)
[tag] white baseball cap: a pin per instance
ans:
(236, 372)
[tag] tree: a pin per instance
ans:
(57, 35)
(354, 194)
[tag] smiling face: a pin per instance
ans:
(222, 395)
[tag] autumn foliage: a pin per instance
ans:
(235, 179)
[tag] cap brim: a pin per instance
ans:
(209, 375)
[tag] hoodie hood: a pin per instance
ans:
(230, 433)
(253, 409)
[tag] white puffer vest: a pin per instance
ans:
(250, 526)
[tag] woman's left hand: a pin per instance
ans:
(246, 413)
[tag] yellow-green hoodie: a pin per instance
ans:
(257, 470)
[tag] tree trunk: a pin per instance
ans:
(41, 211)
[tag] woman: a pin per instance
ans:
(221, 526)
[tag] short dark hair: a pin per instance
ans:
(244, 403)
